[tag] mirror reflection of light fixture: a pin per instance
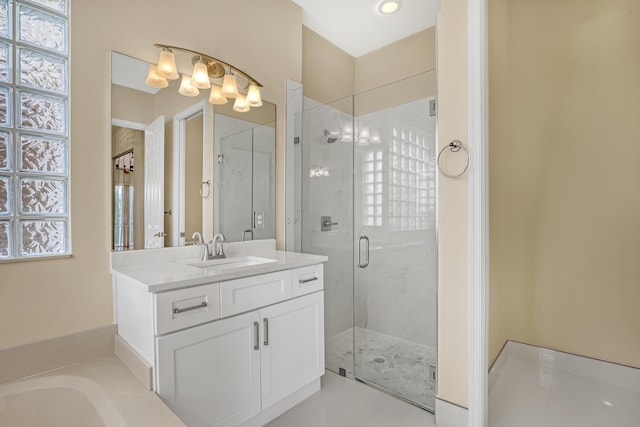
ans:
(154, 80)
(215, 97)
(375, 136)
(186, 88)
(208, 72)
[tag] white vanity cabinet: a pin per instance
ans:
(238, 351)
(226, 372)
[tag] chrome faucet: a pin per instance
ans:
(218, 248)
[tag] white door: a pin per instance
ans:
(210, 375)
(154, 184)
(293, 346)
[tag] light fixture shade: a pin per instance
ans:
(229, 86)
(200, 77)
(253, 96)
(167, 65)
(347, 132)
(363, 133)
(154, 80)
(363, 142)
(375, 136)
(216, 97)
(186, 88)
(241, 105)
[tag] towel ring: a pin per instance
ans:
(208, 192)
(454, 146)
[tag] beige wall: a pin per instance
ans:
(453, 210)
(565, 235)
(131, 105)
(62, 296)
(193, 176)
(328, 72)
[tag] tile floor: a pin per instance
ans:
(398, 365)
(532, 387)
(343, 402)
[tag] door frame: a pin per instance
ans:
(178, 201)
(478, 121)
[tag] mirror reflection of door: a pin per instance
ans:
(194, 190)
(138, 176)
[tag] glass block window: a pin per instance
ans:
(412, 195)
(34, 128)
(372, 186)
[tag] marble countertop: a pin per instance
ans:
(160, 270)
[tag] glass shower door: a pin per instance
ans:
(394, 333)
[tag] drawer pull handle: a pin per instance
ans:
(266, 331)
(256, 345)
(314, 278)
(193, 307)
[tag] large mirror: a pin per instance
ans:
(182, 165)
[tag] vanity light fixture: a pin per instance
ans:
(208, 72)
(387, 7)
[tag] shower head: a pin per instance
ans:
(331, 136)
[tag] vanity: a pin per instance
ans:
(231, 341)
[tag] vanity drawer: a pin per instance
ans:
(248, 293)
(307, 279)
(187, 307)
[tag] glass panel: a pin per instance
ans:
(43, 237)
(43, 196)
(57, 5)
(331, 196)
(4, 106)
(395, 326)
(5, 194)
(5, 238)
(5, 16)
(5, 61)
(42, 71)
(42, 112)
(42, 154)
(43, 30)
(4, 150)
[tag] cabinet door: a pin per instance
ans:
(292, 347)
(209, 375)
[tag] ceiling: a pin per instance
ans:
(356, 27)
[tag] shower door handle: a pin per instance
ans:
(366, 263)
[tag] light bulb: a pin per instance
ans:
(364, 134)
(241, 105)
(387, 7)
(200, 78)
(347, 132)
(253, 96)
(216, 97)
(167, 65)
(186, 88)
(229, 86)
(154, 80)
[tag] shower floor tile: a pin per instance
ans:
(531, 386)
(397, 365)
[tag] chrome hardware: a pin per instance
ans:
(308, 280)
(325, 223)
(256, 327)
(454, 147)
(203, 304)
(198, 236)
(218, 248)
(169, 212)
(366, 239)
(266, 331)
(160, 234)
(248, 230)
(205, 193)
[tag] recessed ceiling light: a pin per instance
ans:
(387, 7)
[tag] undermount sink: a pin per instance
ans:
(223, 264)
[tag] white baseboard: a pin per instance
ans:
(134, 362)
(450, 415)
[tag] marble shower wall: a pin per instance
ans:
(329, 195)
